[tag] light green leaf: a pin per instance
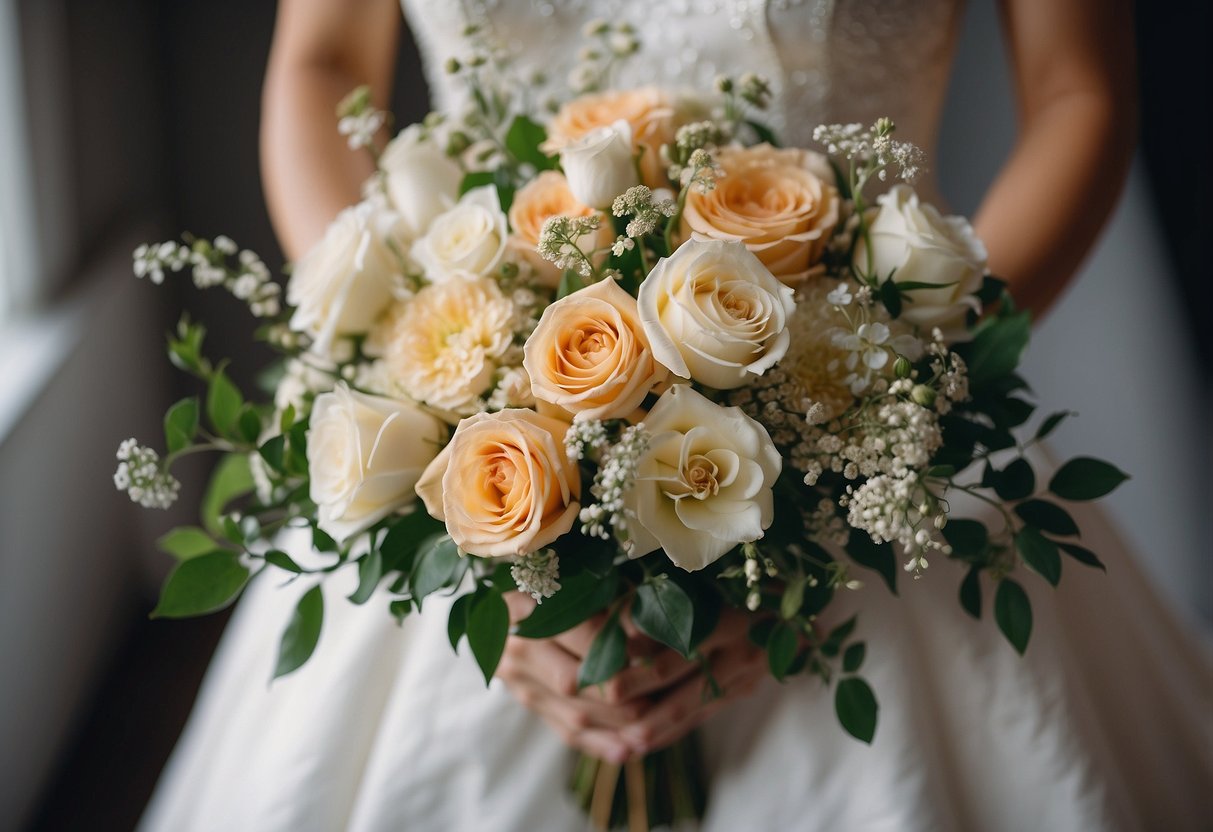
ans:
(570, 282)
(200, 585)
(302, 633)
(1013, 612)
(488, 626)
(180, 424)
(185, 542)
(283, 561)
(782, 647)
(856, 707)
(523, 139)
(231, 479)
(1084, 478)
(223, 403)
(664, 612)
(607, 656)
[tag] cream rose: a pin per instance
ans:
(599, 165)
(780, 203)
(442, 346)
(421, 180)
(470, 237)
(914, 243)
(346, 280)
(649, 112)
(704, 484)
(365, 456)
(544, 197)
(713, 313)
(504, 485)
(590, 355)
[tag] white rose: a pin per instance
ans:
(365, 456)
(915, 243)
(422, 181)
(469, 238)
(704, 484)
(599, 166)
(346, 280)
(714, 313)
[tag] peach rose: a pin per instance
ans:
(648, 111)
(780, 203)
(590, 355)
(544, 197)
(504, 485)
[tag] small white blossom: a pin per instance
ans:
(139, 474)
(537, 574)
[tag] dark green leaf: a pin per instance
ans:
(302, 633)
(607, 655)
(404, 538)
(853, 657)
(996, 349)
(1048, 517)
(476, 179)
(970, 592)
(991, 289)
(1013, 612)
(249, 423)
(763, 133)
(914, 285)
(200, 585)
(231, 479)
(488, 627)
(782, 647)
(437, 562)
(663, 612)
(570, 282)
(578, 598)
(1084, 478)
(223, 403)
(968, 538)
(941, 471)
(322, 541)
(838, 635)
(1039, 553)
(890, 297)
(856, 707)
(1084, 556)
(457, 621)
(760, 631)
(1050, 424)
(1016, 481)
(878, 557)
(180, 424)
(400, 608)
(370, 570)
(185, 542)
(273, 451)
(283, 561)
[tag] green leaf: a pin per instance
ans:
(523, 139)
(782, 647)
(404, 538)
(763, 133)
(200, 585)
(457, 621)
(180, 424)
(231, 479)
(1013, 612)
(968, 538)
(1084, 478)
(1050, 424)
(273, 451)
(1016, 481)
(838, 635)
(488, 626)
(1048, 517)
(570, 282)
(996, 349)
(476, 179)
(437, 562)
(249, 423)
(878, 557)
(853, 657)
(400, 608)
(283, 561)
(607, 655)
(302, 633)
(663, 612)
(1082, 555)
(322, 541)
(991, 289)
(370, 570)
(185, 542)
(890, 297)
(578, 598)
(223, 403)
(793, 597)
(856, 707)
(970, 592)
(913, 285)
(941, 471)
(1039, 553)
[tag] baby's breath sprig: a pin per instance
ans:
(358, 120)
(701, 173)
(608, 45)
(248, 278)
(558, 242)
(740, 95)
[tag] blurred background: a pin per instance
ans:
(132, 120)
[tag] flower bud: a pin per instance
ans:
(902, 367)
(452, 66)
(922, 395)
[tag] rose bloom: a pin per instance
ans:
(504, 485)
(544, 197)
(421, 180)
(713, 313)
(704, 484)
(365, 456)
(590, 356)
(599, 165)
(648, 111)
(346, 280)
(780, 203)
(470, 237)
(442, 346)
(915, 243)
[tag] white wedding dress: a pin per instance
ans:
(1107, 723)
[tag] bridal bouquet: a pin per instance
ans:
(631, 357)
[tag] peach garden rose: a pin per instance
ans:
(544, 197)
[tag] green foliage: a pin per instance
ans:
(996, 348)
(793, 597)
(664, 612)
(202, 584)
(968, 538)
(302, 633)
(223, 405)
(1048, 517)
(1016, 481)
(457, 619)
(437, 565)
(570, 282)
(763, 133)
(185, 349)
(230, 480)
(1084, 478)
(403, 540)
(838, 635)
(875, 556)
(523, 139)
(180, 424)
(282, 560)
(1082, 555)
(185, 542)
(1051, 422)
(890, 297)
(607, 655)
(782, 646)
(853, 656)
(970, 592)
(1013, 613)
(856, 707)
(370, 570)
(1040, 553)
(579, 598)
(488, 625)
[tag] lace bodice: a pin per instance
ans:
(828, 60)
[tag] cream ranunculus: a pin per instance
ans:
(504, 485)
(704, 484)
(470, 237)
(544, 197)
(590, 356)
(346, 280)
(913, 242)
(599, 165)
(442, 346)
(715, 314)
(421, 180)
(780, 203)
(365, 456)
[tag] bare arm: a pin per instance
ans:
(1073, 65)
(321, 50)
